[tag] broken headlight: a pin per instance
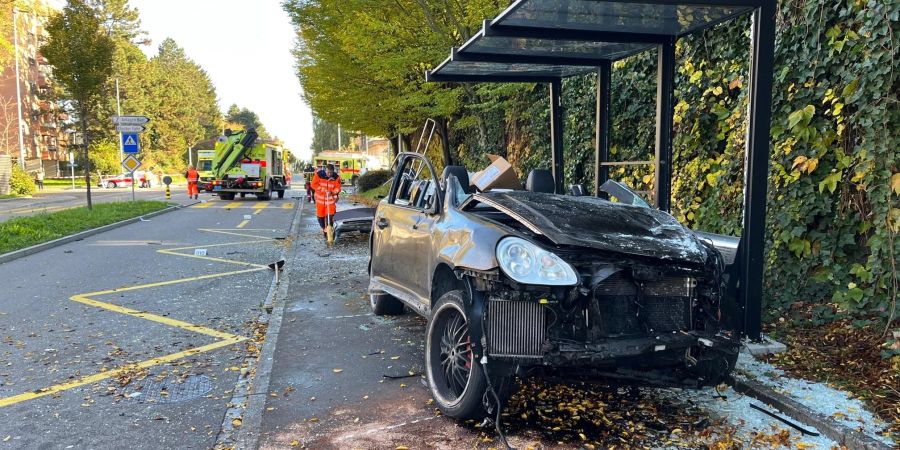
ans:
(527, 263)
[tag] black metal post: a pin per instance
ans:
(665, 110)
(601, 173)
(756, 172)
(556, 133)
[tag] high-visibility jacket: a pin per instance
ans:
(192, 176)
(327, 191)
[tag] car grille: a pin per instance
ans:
(515, 329)
(664, 306)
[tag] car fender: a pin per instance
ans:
(464, 242)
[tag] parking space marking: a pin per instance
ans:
(233, 205)
(287, 206)
(243, 223)
(257, 208)
(205, 204)
(224, 339)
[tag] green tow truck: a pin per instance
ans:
(242, 165)
(204, 168)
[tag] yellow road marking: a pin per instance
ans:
(259, 207)
(206, 204)
(115, 372)
(233, 205)
(287, 206)
(226, 339)
(243, 223)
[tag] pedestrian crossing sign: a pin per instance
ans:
(130, 143)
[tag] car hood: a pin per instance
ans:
(600, 224)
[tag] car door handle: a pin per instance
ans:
(382, 223)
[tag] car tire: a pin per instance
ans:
(110, 185)
(455, 376)
(228, 196)
(385, 305)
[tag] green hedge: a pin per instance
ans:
(833, 210)
(372, 179)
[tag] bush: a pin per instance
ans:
(372, 179)
(21, 183)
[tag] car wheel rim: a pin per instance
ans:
(454, 368)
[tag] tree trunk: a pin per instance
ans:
(407, 141)
(87, 159)
(444, 132)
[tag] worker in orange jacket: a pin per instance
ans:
(193, 177)
(327, 186)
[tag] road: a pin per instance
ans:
(56, 200)
(136, 337)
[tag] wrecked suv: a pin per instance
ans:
(531, 283)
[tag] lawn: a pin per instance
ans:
(63, 182)
(9, 196)
(24, 232)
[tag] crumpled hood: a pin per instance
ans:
(596, 223)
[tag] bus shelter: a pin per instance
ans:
(544, 41)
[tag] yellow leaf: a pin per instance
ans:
(798, 161)
(895, 183)
(395, 357)
(7, 438)
(811, 165)
(236, 422)
(402, 447)
(337, 370)
(295, 443)
(717, 90)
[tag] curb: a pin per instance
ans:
(840, 433)
(248, 405)
(11, 256)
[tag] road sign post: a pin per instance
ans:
(130, 163)
(168, 180)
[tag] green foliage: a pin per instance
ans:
(105, 157)
(22, 232)
(373, 179)
(21, 183)
(246, 119)
(325, 136)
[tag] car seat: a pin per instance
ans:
(540, 180)
(461, 174)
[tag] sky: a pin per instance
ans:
(245, 47)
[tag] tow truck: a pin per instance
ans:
(244, 166)
(204, 168)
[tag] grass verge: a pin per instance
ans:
(63, 182)
(10, 196)
(22, 232)
(372, 196)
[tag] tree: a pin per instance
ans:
(245, 119)
(121, 22)
(81, 54)
(325, 136)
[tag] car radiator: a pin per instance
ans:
(515, 329)
(627, 307)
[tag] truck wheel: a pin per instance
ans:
(455, 376)
(228, 196)
(385, 305)
(281, 193)
(243, 194)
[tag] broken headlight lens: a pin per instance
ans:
(527, 263)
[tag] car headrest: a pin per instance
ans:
(461, 175)
(540, 180)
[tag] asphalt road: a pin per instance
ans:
(135, 337)
(56, 200)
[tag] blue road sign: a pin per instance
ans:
(130, 143)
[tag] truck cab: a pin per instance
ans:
(242, 165)
(204, 168)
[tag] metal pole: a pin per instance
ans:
(665, 93)
(18, 87)
(756, 171)
(119, 113)
(601, 172)
(132, 186)
(339, 136)
(556, 134)
(72, 167)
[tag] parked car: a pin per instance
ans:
(520, 283)
(114, 181)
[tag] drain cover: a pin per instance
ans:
(169, 391)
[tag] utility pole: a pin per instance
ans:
(339, 137)
(18, 87)
(119, 112)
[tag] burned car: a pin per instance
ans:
(519, 283)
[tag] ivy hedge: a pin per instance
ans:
(833, 210)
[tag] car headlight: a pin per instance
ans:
(527, 263)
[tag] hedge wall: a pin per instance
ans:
(833, 212)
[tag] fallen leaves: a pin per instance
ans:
(337, 370)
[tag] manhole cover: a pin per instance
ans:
(173, 391)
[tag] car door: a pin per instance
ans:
(402, 230)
